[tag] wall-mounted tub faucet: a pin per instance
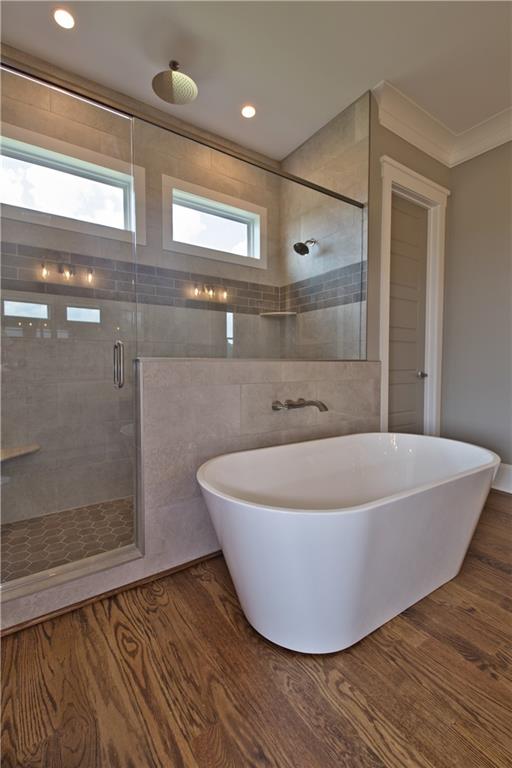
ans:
(290, 405)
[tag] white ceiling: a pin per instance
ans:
(299, 63)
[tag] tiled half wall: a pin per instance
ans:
(193, 410)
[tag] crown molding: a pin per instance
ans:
(481, 138)
(398, 113)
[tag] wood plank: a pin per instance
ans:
(171, 674)
(500, 501)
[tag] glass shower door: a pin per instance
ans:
(68, 296)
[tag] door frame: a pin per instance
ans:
(402, 181)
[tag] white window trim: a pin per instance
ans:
(400, 180)
(17, 213)
(169, 244)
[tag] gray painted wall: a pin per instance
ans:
(477, 354)
(477, 349)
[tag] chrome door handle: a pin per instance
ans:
(422, 374)
(119, 364)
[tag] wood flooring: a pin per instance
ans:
(170, 674)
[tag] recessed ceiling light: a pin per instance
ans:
(63, 18)
(248, 111)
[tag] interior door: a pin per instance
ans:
(407, 316)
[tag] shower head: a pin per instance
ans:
(303, 248)
(173, 86)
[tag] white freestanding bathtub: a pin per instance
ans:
(327, 540)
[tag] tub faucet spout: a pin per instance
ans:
(290, 405)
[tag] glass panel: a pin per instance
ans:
(309, 300)
(69, 294)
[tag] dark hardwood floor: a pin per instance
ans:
(170, 674)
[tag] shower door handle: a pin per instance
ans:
(119, 364)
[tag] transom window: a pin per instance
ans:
(204, 222)
(201, 222)
(26, 309)
(83, 315)
(42, 180)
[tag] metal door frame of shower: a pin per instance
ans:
(22, 64)
(88, 566)
(402, 181)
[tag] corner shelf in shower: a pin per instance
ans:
(18, 450)
(278, 314)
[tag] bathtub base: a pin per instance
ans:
(325, 649)
(320, 585)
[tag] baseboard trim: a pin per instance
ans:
(104, 595)
(503, 479)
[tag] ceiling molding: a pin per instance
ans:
(398, 113)
(481, 138)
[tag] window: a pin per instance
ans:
(83, 315)
(26, 309)
(201, 222)
(229, 333)
(52, 183)
(49, 182)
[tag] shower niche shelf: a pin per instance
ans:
(18, 450)
(278, 314)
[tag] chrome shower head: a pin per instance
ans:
(173, 86)
(303, 248)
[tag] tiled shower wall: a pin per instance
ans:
(336, 157)
(327, 278)
(57, 378)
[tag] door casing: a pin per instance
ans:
(402, 181)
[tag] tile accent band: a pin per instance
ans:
(145, 284)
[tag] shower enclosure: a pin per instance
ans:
(221, 276)
(123, 239)
(68, 442)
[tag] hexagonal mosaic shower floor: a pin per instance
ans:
(30, 546)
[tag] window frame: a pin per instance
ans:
(25, 302)
(68, 158)
(83, 320)
(217, 203)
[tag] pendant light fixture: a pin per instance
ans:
(173, 86)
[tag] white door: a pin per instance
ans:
(407, 316)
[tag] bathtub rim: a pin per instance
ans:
(494, 462)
